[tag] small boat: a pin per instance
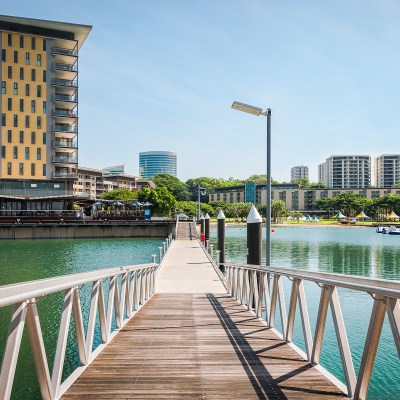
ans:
(391, 230)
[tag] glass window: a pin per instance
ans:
(39, 60)
(33, 106)
(9, 72)
(3, 55)
(44, 76)
(27, 58)
(33, 43)
(21, 73)
(3, 119)
(15, 120)
(44, 169)
(39, 153)
(3, 87)
(9, 104)
(21, 42)
(27, 122)
(39, 91)
(33, 169)
(16, 56)
(44, 137)
(15, 152)
(26, 153)
(33, 137)
(3, 151)
(44, 44)
(21, 168)
(39, 122)
(21, 105)
(9, 136)
(44, 107)
(21, 136)
(15, 88)
(33, 75)
(9, 39)
(8, 168)
(27, 90)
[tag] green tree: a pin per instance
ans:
(297, 215)
(261, 179)
(176, 187)
(164, 203)
(302, 182)
(278, 210)
(119, 194)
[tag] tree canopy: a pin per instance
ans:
(176, 187)
(164, 203)
(119, 194)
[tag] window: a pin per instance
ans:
(44, 76)
(44, 44)
(21, 42)
(3, 151)
(9, 104)
(39, 154)
(15, 88)
(44, 107)
(3, 55)
(21, 168)
(33, 137)
(44, 137)
(39, 122)
(21, 73)
(9, 72)
(26, 153)
(3, 119)
(33, 75)
(9, 39)
(8, 168)
(3, 87)
(21, 136)
(33, 169)
(44, 169)
(39, 91)
(27, 122)
(39, 60)
(27, 58)
(15, 152)
(16, 56)
(27, 90)
(9, 136)
(33, 43)
(33, 106)
(15, 120)
(21, 105)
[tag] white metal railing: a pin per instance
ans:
(129, 288)
(250, 285)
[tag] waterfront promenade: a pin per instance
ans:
(193, 340)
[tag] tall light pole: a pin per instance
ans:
(198, 199)
(259, 111)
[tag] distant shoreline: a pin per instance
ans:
(310, 225)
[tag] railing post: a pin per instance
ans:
(153, 258)
(212, 250)
(218, 257)
(207, 245)
(221, 236)
(165, 247)
(160, 250)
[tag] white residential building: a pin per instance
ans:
(322, 173)
(387, 170)
(300, 171)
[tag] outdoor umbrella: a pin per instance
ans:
(147, 204)
(98, 203)
(117, 203)
(136, 204)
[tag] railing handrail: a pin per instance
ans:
(384, 287)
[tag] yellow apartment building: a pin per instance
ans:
(39, 112)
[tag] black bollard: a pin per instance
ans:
(206, 228)
(221, 236)
(202, 230)
(254, 237)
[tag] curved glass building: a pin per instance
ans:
(157, 162)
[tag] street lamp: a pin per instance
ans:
(259, 111)
(198, 199)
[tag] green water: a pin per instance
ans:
(25, 260)
(339, 250)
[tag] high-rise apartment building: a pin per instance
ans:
(348, 171)
(157, 162)
(39, 108)
(387, 170)
(298, 172)
(321, 173)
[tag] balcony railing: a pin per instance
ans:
(64, 52)
(64, 82)
(64, 128)
(69, 145)
(64, 113)
(64, 159)
(65, 175)
(65, 97)
(65, 67)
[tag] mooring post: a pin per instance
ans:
(206, 227)
(221, 236)
(254, 245)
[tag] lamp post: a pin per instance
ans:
(198, 199)
(258, 111)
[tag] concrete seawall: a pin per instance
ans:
(65, 231)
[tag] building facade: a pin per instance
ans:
(300, 171)
(387, 170)
(39, 110)
(157, 162)
(348, 171)
(321, 173)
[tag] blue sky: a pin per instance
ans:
(162, 75)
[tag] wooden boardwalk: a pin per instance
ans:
(195, 341)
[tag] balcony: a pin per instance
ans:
(65, 98)
(64, 113)
(64, 67)
(64, 159)
(64, 175)
(64, 128)
(64, 82)
(64, 144)
(64, 52)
